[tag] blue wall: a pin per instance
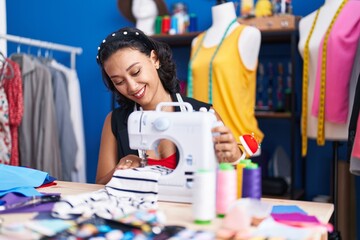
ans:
(82, 24)
(86, 23)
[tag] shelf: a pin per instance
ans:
(275, 23)
(270, 114)
(176, 40)
(278, 37)
(269, 32)
(298, 194)
(186, 39)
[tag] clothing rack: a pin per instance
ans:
(43, 44)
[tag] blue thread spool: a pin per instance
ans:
(174, 25)
(193, 23)
(252, 181)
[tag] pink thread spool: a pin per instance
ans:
(226, 188)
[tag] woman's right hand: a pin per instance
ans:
(129, 161)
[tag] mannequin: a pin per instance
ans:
(222, 15)
(333, 130)
(216, 70)
(143, 12)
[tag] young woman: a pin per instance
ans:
(140, 72)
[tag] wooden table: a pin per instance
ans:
(176, 213)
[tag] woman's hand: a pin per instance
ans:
(226, 147)
(129, 161)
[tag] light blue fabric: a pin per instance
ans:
(21, 180)
(278, 209)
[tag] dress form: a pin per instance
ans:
(145, 13)
(224, 78)
(249, 41)
(333, 131)
(326, 14)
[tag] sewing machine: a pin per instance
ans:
(191, 133)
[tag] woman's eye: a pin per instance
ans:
(135, 73)
(119, 83)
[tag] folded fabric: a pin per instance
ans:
(11, 198)
(300, 220)
(128, 190)
(269, 228)
(53, 183)
(292, 217)
(277, 209)
(22, 180)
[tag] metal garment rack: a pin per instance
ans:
(43, 44)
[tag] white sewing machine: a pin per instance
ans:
(190, 131)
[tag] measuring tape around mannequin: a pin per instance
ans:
(190, 79)
(321, 114)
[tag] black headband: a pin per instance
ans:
(125, 35)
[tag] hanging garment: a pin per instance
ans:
(356, 147)
(341, 48)
(353, 150)
(74, 93)
(233, 85)
(355, 154)
(5, 135)
(14, 93)
(38, 135)
(67, 140)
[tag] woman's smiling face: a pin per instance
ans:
(135, 76)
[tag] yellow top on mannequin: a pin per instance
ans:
(233, 85)
(249, 41)
(233, 72)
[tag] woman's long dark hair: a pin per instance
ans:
(133, 38)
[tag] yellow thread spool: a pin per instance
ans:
(239, 171)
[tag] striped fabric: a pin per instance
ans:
(128, 190)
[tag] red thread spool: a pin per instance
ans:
(165, 25)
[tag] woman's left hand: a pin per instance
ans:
(129, 161)
(226, 147)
